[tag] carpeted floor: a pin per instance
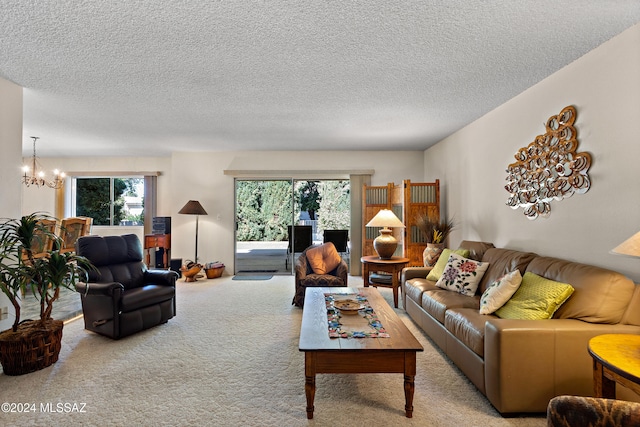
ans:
(230, 358)
(252, 277)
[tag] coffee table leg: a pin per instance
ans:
(408, 394)
(409, 384)
(309, 381)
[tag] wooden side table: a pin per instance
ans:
(393, 266)
(152, 241)
(616, 359)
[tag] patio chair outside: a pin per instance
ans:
(339, 238)
(300, 238)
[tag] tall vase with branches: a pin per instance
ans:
(435, 232)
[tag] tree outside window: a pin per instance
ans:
(111, 201)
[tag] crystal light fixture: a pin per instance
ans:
(33, 175)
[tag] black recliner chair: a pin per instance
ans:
(122, 296)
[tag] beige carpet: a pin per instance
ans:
(230, 358)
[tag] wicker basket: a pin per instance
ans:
(190, 272)
(213, 273)
(33, 347)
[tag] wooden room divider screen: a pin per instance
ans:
(407, 201)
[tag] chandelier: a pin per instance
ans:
(33, 175)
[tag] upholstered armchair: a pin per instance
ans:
(319, 266)
(579, 411)
(122, 296)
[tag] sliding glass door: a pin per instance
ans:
(277, 219)
(264, 213)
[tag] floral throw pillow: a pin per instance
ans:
(499, 292)
(462, 275)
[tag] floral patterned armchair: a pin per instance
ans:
(319, 266)
(579, 411)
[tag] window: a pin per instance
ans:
(110, 201)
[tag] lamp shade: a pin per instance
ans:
(385, 218)
(630, 247)
(193, 207)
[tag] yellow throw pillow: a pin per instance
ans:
(536, 298)
(323, 258)
(438, 269)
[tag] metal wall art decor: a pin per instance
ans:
(550, 168)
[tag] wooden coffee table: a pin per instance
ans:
(324, 355)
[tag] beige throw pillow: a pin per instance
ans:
(462, 275)
(499, 292)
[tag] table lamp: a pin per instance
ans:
(193, 207)
(630, 247)
(385, 244)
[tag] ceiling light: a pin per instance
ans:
(34, 175)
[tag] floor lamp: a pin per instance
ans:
(193, 207)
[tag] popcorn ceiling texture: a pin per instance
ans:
(123, 78)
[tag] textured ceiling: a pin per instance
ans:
(129, 78)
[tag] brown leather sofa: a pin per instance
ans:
(123, 297)
(519, 365)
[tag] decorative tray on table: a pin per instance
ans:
(348, 306)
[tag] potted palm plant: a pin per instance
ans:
(29, 264)
(435, 232)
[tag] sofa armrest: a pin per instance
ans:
(103, 289)
(409, 273)
(342, 271)
(161, 277)
(549, 356)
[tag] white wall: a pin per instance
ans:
(200, 176)
(604, 86)
(10, 163)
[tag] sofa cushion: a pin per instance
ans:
(537, 298)
(462, 275)
(601, 295)
(323, 258)
(467, 325)
(502, 261)
(632, 314)
(499, 292)
(414, 288)
(437, 301)
(437, 269)
(136, 298)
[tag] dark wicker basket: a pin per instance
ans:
(33, 347)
